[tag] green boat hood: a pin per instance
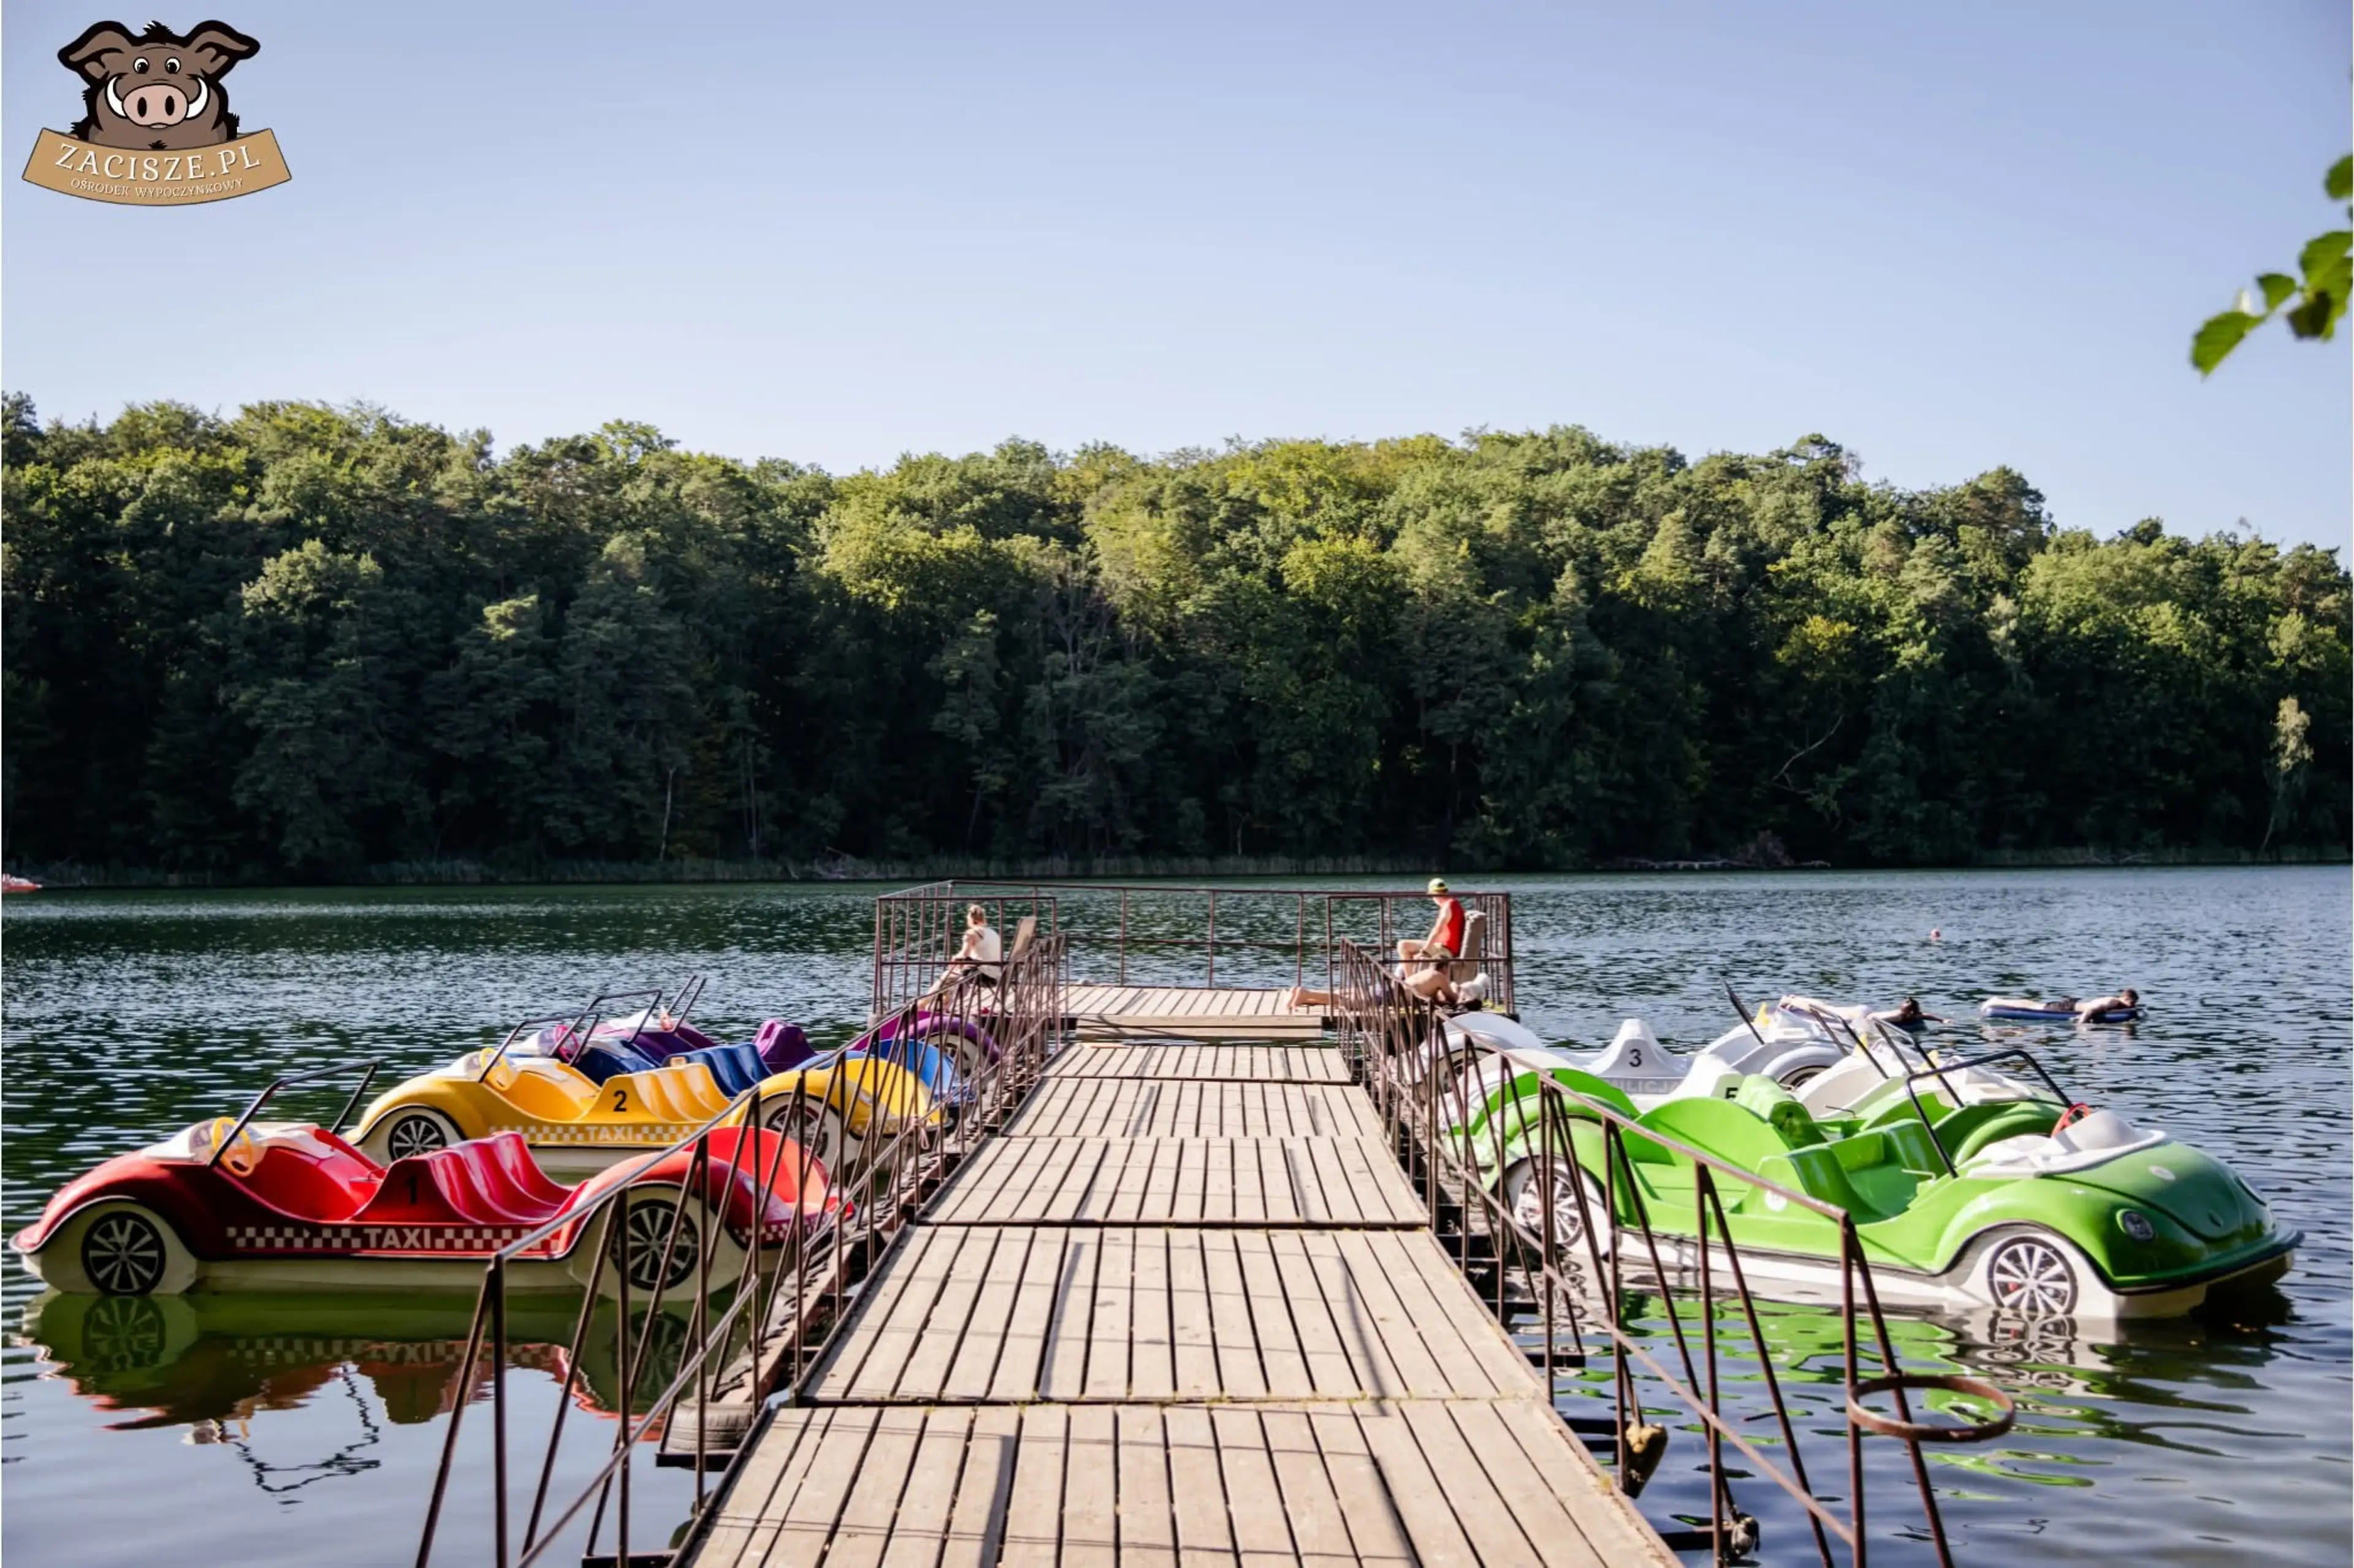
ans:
(2195, 1191)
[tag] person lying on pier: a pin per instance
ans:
(1427, 981)
(980, 958)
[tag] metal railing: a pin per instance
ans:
(1483, 1134)
(979, 1048)
(222, 1144)
(1165, 933)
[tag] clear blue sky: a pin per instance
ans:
(1948, 236)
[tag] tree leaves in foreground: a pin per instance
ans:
(2326, 265)
(303, 642)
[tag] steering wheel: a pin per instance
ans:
(240, 1155)
(2071, 1117)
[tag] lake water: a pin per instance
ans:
(285, 1431)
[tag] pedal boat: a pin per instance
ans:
(576, 1124)
(1792, 1041)
(235, 1204)
(1970, 1188)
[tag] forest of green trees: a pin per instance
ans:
(306, 641)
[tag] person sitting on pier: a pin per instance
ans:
(980, 959)
(1446, 938)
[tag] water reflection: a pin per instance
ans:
(2190, 1393)
(217, 1364)
(2207, 1439)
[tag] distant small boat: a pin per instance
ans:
(18, 884)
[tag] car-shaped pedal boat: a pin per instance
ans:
(1968, 1187)
(234, 1202)
(657, 1034)
(576, 1124)
(1793, 1041)
(618, 1046)
(944, 1049)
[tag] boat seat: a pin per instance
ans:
(310, 1174)
(1731, 1132)
(1469, 964)
(549, 1090)
(491, 1180)
(781, 1045)
(459, 1181)
(511, 1154)
(600, 1059)
(1779, 1108)
(1912, 1147)
(500, 1187)
(683, 1091)
(1816, 1171)
(734, 1068)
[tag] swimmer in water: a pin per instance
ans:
(1910, 1015)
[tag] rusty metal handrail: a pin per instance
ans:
(906, 941)
(1399, 1047)
(893, 1164)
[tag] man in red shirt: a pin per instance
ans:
(1446, 938)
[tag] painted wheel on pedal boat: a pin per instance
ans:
(120, 1249)
(123, 1254)
(2029, 1274)
(642, 1238)
(411, 1132)
(817, 1128)
(1522, 1181)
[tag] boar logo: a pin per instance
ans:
(158, 91)
(157, 129)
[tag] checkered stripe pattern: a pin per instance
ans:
(372, 1239)
(653, 1135)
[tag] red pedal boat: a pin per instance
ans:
(235, 1202)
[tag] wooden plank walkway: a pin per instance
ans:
(1198, 1180)
(1205, 1107)
(1273, 1063)
(1195, 1013)
(1185, 1313)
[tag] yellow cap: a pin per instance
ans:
(1437, 885)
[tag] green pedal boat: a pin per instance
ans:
(1969, 1187)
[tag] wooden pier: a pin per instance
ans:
(1190, 1012)
(1185, 1311)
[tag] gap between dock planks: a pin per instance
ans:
(1184, 1315)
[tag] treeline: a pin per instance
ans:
(305, 641)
